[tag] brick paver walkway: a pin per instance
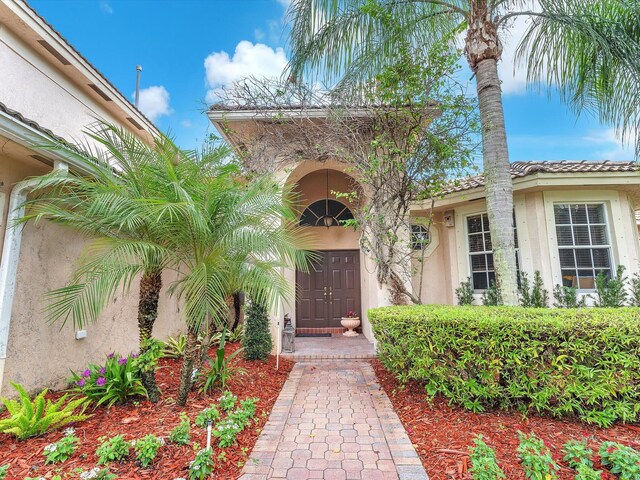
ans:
(333, 421)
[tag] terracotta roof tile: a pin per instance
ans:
(523, 169)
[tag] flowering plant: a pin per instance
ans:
(227, 431)
(351, 314)
(96, 473)
(147, 448)
(114, 382)
(63, 448)
(201, 466)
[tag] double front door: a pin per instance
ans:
(329, 290)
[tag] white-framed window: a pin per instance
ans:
(584, 244)
(481, 251)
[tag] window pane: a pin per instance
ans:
(485, 222)
(478, 263)
(578, 214)
(475, 243)
(601, 258)
(480, 281)
(583, 258)
(490, 261)
(587, 281)
(599, 235)
(606, 273)
(581, 235)
(492, 278)
(474, 224)
(569, 278)
(567, 260)
(562, 214)
(596, 213)
(564, 235)
(487, 242)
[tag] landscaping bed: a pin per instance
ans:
(442, 434)
(137, 419)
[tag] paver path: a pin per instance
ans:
(333, 421)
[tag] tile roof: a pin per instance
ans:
(523, 169)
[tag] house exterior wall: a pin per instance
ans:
(38, 354)
(448, 265)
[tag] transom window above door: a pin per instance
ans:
(583, 243)
(481, 251)
(325, 213)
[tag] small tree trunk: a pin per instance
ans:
(150, 286)
(186, 373)
(483, 50)
(236, 311)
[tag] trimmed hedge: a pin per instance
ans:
(560, 362)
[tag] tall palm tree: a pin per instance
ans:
(104, 207)
(588, 49)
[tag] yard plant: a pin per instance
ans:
(181, 433)
(114, 449)
(536, 459)
(622, 460)
(484, 465)
(559, 362)
(30, 418)
(257, 342)
(61, 450)
(147, 448)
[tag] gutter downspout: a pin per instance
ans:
(11, 255)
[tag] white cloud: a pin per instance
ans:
(154, 102)
(186, 123)
(248, 59)
(610, 146)
(284, 3)
(258, 34)
(106, 7)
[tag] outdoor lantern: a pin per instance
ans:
(288, 336)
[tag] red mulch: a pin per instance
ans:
(135, 421)
(442, 434)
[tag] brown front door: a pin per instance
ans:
(329, 290)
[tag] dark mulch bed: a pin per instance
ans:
(137, 420)
(442, 434)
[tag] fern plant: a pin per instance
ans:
(464, 292)
(30, 418)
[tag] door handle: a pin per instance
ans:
(325, 294)
(330, 296)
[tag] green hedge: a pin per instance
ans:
(562, 362)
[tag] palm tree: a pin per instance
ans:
(588, 49)
(104, 207)
(155, 208)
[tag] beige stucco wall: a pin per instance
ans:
(448, 264)
(38, 354)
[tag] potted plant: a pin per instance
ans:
(351, 321)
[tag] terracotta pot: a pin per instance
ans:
(351, 324)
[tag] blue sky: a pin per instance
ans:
(188, 48)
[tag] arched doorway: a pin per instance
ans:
(332, 287)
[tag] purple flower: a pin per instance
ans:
(101, 381)
(111, 355)
(122, 361)
(135, 355)
(86, 373)
(102, 370)
(80, 382)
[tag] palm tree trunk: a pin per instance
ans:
(150, 286)
(483, 51)
(186, 374)
(236, 311)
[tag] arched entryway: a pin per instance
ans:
(333, 286)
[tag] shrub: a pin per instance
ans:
(62, 449)
(577, 453)
(29, 418)
(257, 336)
(484, 465)
(535, 296)
(635, 290)
(622, 460)
(201, 466)
(175, 347)
(611, 292)
(464, 292)
(567, 297)
(114, 382)
(561, 362)
(220, 369)
(181, 434)
(114, 449)
(535, 458)
(491, 296)
(210, 414)
(147, 448)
